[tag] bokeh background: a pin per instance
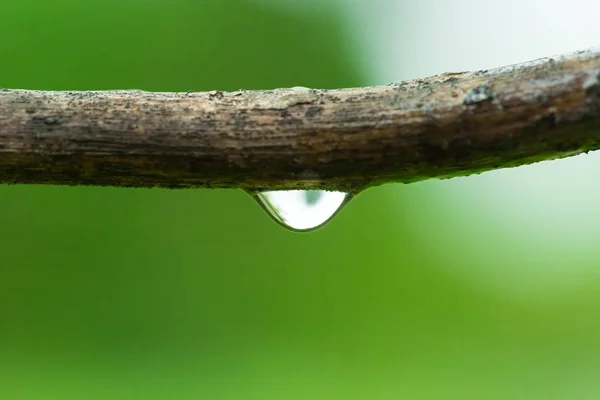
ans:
(477, 287)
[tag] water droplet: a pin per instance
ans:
(302, 210)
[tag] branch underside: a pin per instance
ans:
(345, 139)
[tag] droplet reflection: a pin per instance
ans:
(302, 210)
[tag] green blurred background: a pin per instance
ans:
(479, 287)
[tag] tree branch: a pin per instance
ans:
(347, 139)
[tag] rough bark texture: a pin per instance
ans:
(348, 139)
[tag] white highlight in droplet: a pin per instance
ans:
(295, 210)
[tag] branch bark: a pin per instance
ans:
(345, 139)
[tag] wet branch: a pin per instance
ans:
(347, 139)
